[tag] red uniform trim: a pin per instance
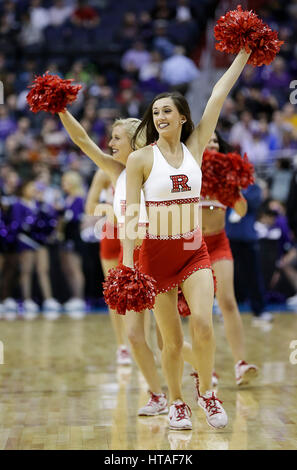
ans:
(174, 201)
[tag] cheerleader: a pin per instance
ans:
(114, 166)
(168, 171)
(109, 252)
(72, 244)
(35, 222)
(213, 229)
(8, 245)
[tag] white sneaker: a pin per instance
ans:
(292, 301)
(31, 309)
(179, 416)
(215, 414)
(123, 356)
(10, 304)
(51, 309)
(76, 314)
(1, 311)
(30, 306)
(75, 308)
(51, 315)
(264, 317)
(10, 309)
(51, 304)
(75, 304)
(214, 379)
(157, 405)
(30, 315)
(10, 316)
(245, 372)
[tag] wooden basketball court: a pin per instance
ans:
(60, 389)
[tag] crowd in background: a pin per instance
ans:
(124, 57)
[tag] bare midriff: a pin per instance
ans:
(213, 220)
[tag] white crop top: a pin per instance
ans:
(119, 202)
(167, 185)
(212, 204)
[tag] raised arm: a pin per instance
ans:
(79, 136)
(134, 181)
(100, 181)
(199, 138)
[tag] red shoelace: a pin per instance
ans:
(181, 411)
(211, 404)
(196, 378)
(124, 353)
(154, 398)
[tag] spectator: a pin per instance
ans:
(152, 69)
(59, 13)
(8, 36)
(39, 17)
(278, 126)
(85, 15)
(145, 25)
(280, 180)
(256, 148)
(161, 41)
(179, 71)
(9, 10)
(289, 264)
(36, 222)
(135, 57)
(97, 81)
(128, 31)
(162, 11)
(290, 115)
(72, 247)
(130, 104)
(7, 125)
(51, 134)
(292, 204)
(249, 78)
(276, 79)
(245, 248)
(260, 102)
(228, 117)
(241, 132)
(275, 245)
(184, 13)
(22, 136)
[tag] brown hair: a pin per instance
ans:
(147, 126)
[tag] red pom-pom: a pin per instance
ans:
(129, 289)
(51, 93)
(240, 29)
(224, 175)
(182, 305)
